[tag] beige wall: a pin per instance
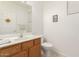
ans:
(64, 34)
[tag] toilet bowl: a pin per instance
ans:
(46, 46)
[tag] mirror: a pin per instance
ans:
(15, 16)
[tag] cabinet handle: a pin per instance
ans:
(28, 46)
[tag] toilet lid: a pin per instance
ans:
(46, 44)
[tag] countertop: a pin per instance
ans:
(20, 40)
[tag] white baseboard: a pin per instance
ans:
(59, 52)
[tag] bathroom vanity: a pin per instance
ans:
(22, 48)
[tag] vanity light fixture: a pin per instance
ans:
(7, 20)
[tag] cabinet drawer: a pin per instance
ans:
(8, 51)
(27, 45)
(21, 54)
(37, 41)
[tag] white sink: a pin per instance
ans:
(8, 40)
(3, 41)
(14, 38)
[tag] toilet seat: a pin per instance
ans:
(46, 44)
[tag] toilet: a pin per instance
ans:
(46, 46)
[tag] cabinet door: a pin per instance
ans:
(21, 54)
(35, 51)
(8, 51)
(26, 45)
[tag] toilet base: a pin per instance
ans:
(46, 52)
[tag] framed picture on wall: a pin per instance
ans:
(55, 18)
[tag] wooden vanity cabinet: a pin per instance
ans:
(30, 48)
